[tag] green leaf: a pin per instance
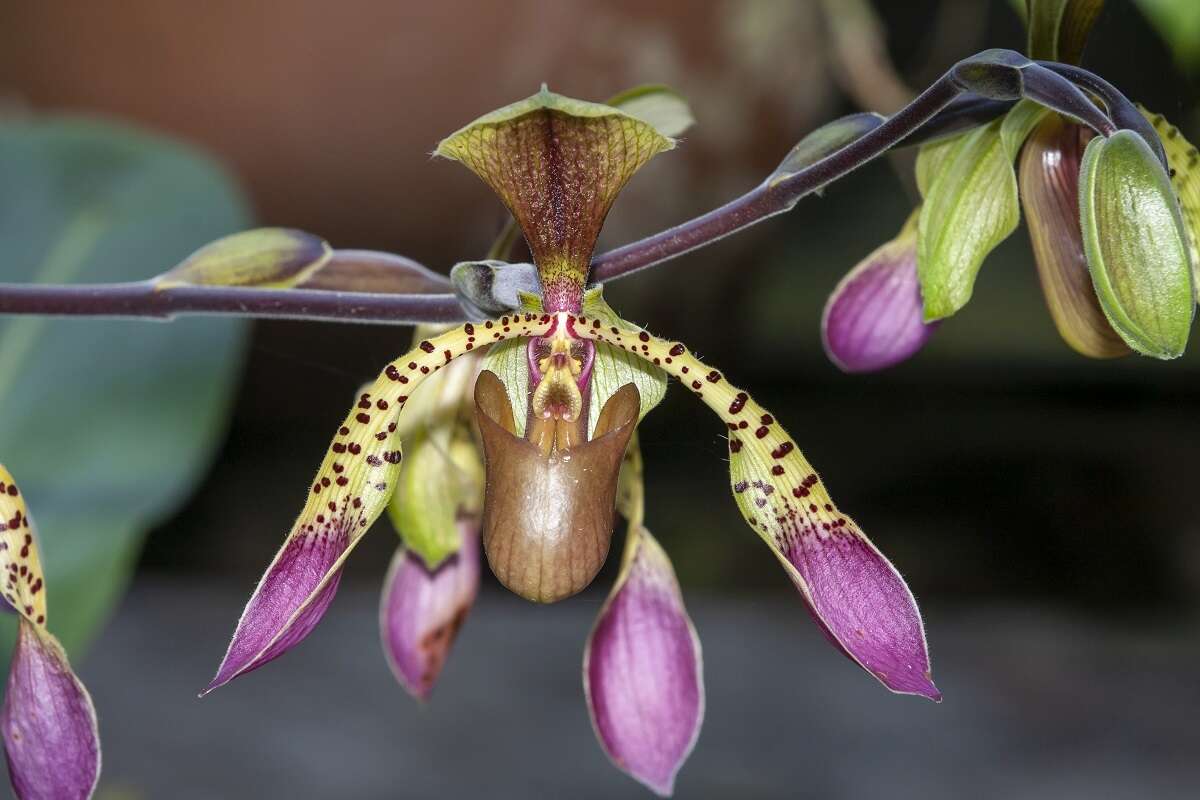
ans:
(970, 207)
(108, 423)
(1178, 23)
(1136, 244)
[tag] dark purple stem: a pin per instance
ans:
(981, 86)
(769, 198)
(144, 300)
(995, 76)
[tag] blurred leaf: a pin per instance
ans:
(109, 423)
(1178, 22)
(970, 207)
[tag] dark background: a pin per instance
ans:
(1043, 507)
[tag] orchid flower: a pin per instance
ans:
(560, 391)
(48, 722)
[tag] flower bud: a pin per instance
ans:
(875, 317)
(1049, 181)
(265, 257)
(1136, 244)
(422, 610)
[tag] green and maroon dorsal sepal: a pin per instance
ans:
(558, 165)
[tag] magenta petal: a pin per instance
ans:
(864, 607)
(421, 610)
(874, 318)
(48, 722)
(279, 614)
(642, 672)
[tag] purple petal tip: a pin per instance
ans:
(421, 611)
(49, 725)
(290, 600)
(864, 607)
(643, 673)
(875, 318)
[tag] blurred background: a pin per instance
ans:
(1043, 507)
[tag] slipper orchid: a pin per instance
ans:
(560, 390)
(48, 722)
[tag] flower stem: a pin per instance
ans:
(990, 81)
(974, 90)
(144, 299)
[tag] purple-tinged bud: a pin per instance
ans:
(642, 670)
(874, 318)
(48, 722)
(421, 610)
(1049, 182)
(50, 737)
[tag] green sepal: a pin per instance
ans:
(1059, 29)
(659, 106)
(440, 479)
(970, 206)
(558, 164)
(824, 141)
(614, 367)
(268, 258)
(1018, 124)
(458, 145)
(1136, 245)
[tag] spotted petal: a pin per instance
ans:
(48, 722)
(350, 491)
(854, 593)
(422, 610)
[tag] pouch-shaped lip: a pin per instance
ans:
(548, 520)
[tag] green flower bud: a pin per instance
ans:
(1136, 245)
(269, 258)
